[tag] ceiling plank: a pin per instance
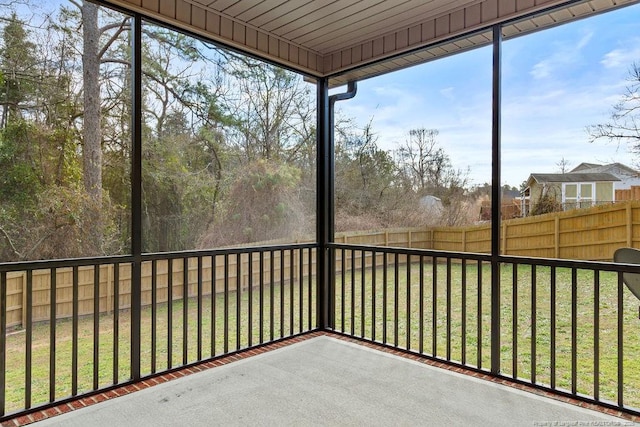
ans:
(259, 9)
(336, 36)
(240, 8)
(380, 19)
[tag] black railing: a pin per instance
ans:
(566, 326)
(569, 327)
(70, 325)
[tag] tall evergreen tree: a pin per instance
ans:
(19, 72)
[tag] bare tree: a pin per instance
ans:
(418, 153)
(274, 109)
(563, 165)
(624, 123)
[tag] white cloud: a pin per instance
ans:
(564, 54)
(448, 92)
(584, 41)
(542, 69)
(540, 126)
(622, 57)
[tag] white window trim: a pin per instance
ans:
(579, 197)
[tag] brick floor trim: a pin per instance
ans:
(92, 399)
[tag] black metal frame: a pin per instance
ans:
(323, 189)
(496, 200)
(136, 193)
(326, 274)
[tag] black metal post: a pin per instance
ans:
(28, 360)
(136, 195)
(328, 166)
(495, 202)
(3, 342)
(74, 332)
(53, 277)
(324, 220)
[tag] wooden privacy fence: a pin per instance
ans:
(582, 234)
(632, 193)
(417, 238)
(286, 267)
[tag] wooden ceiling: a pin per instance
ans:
(356, 39)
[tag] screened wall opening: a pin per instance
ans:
(66, 137)
(171, 201)
(228, 147)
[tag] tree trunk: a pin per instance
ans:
(92, 135)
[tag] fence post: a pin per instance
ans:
(556, 237)
(464, 240)
(629, 225)
(504, 238)
(245, 271)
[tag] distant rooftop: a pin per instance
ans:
(572, 177)
(615, 168)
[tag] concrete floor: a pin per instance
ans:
(327, 382)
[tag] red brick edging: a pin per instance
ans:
(82, 402)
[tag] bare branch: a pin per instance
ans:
(623, 125)
(120, 29)
(43, 238)
(10, 242)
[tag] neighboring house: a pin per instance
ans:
(628, 176)
(564, 191)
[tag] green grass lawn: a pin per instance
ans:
(409, 333)
(198, 346)
(518, 335)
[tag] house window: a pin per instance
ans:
(569, 196)
(586, 195)
(577, 195)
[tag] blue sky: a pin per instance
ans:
(555, 83)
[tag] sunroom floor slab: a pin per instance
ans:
(324, 381)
